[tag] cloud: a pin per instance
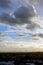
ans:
(38, 4)
(18, 22)
(23, 15)
(40, 35)
(9, 41)
(33, 26)
(10, 30)
(1, 33)
(8, 44)
(4, 3)
(21, 35)
(6, 41)
(7, 19)
(25, 12)
(35, 1)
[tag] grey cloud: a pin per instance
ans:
(37, 36)
(7, 19)
(20, 35)
(4, 3)
(40, 35)
(38, 4)
(22, 16)
(25, 12)
(33, 26)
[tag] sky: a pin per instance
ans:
(21, 20)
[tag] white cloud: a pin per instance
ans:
(6, 41)
(10, 42)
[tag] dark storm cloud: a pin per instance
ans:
(22, 16)
(25, 12)
(4, 3)
(7, 19)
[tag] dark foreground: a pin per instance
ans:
(21, 58)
